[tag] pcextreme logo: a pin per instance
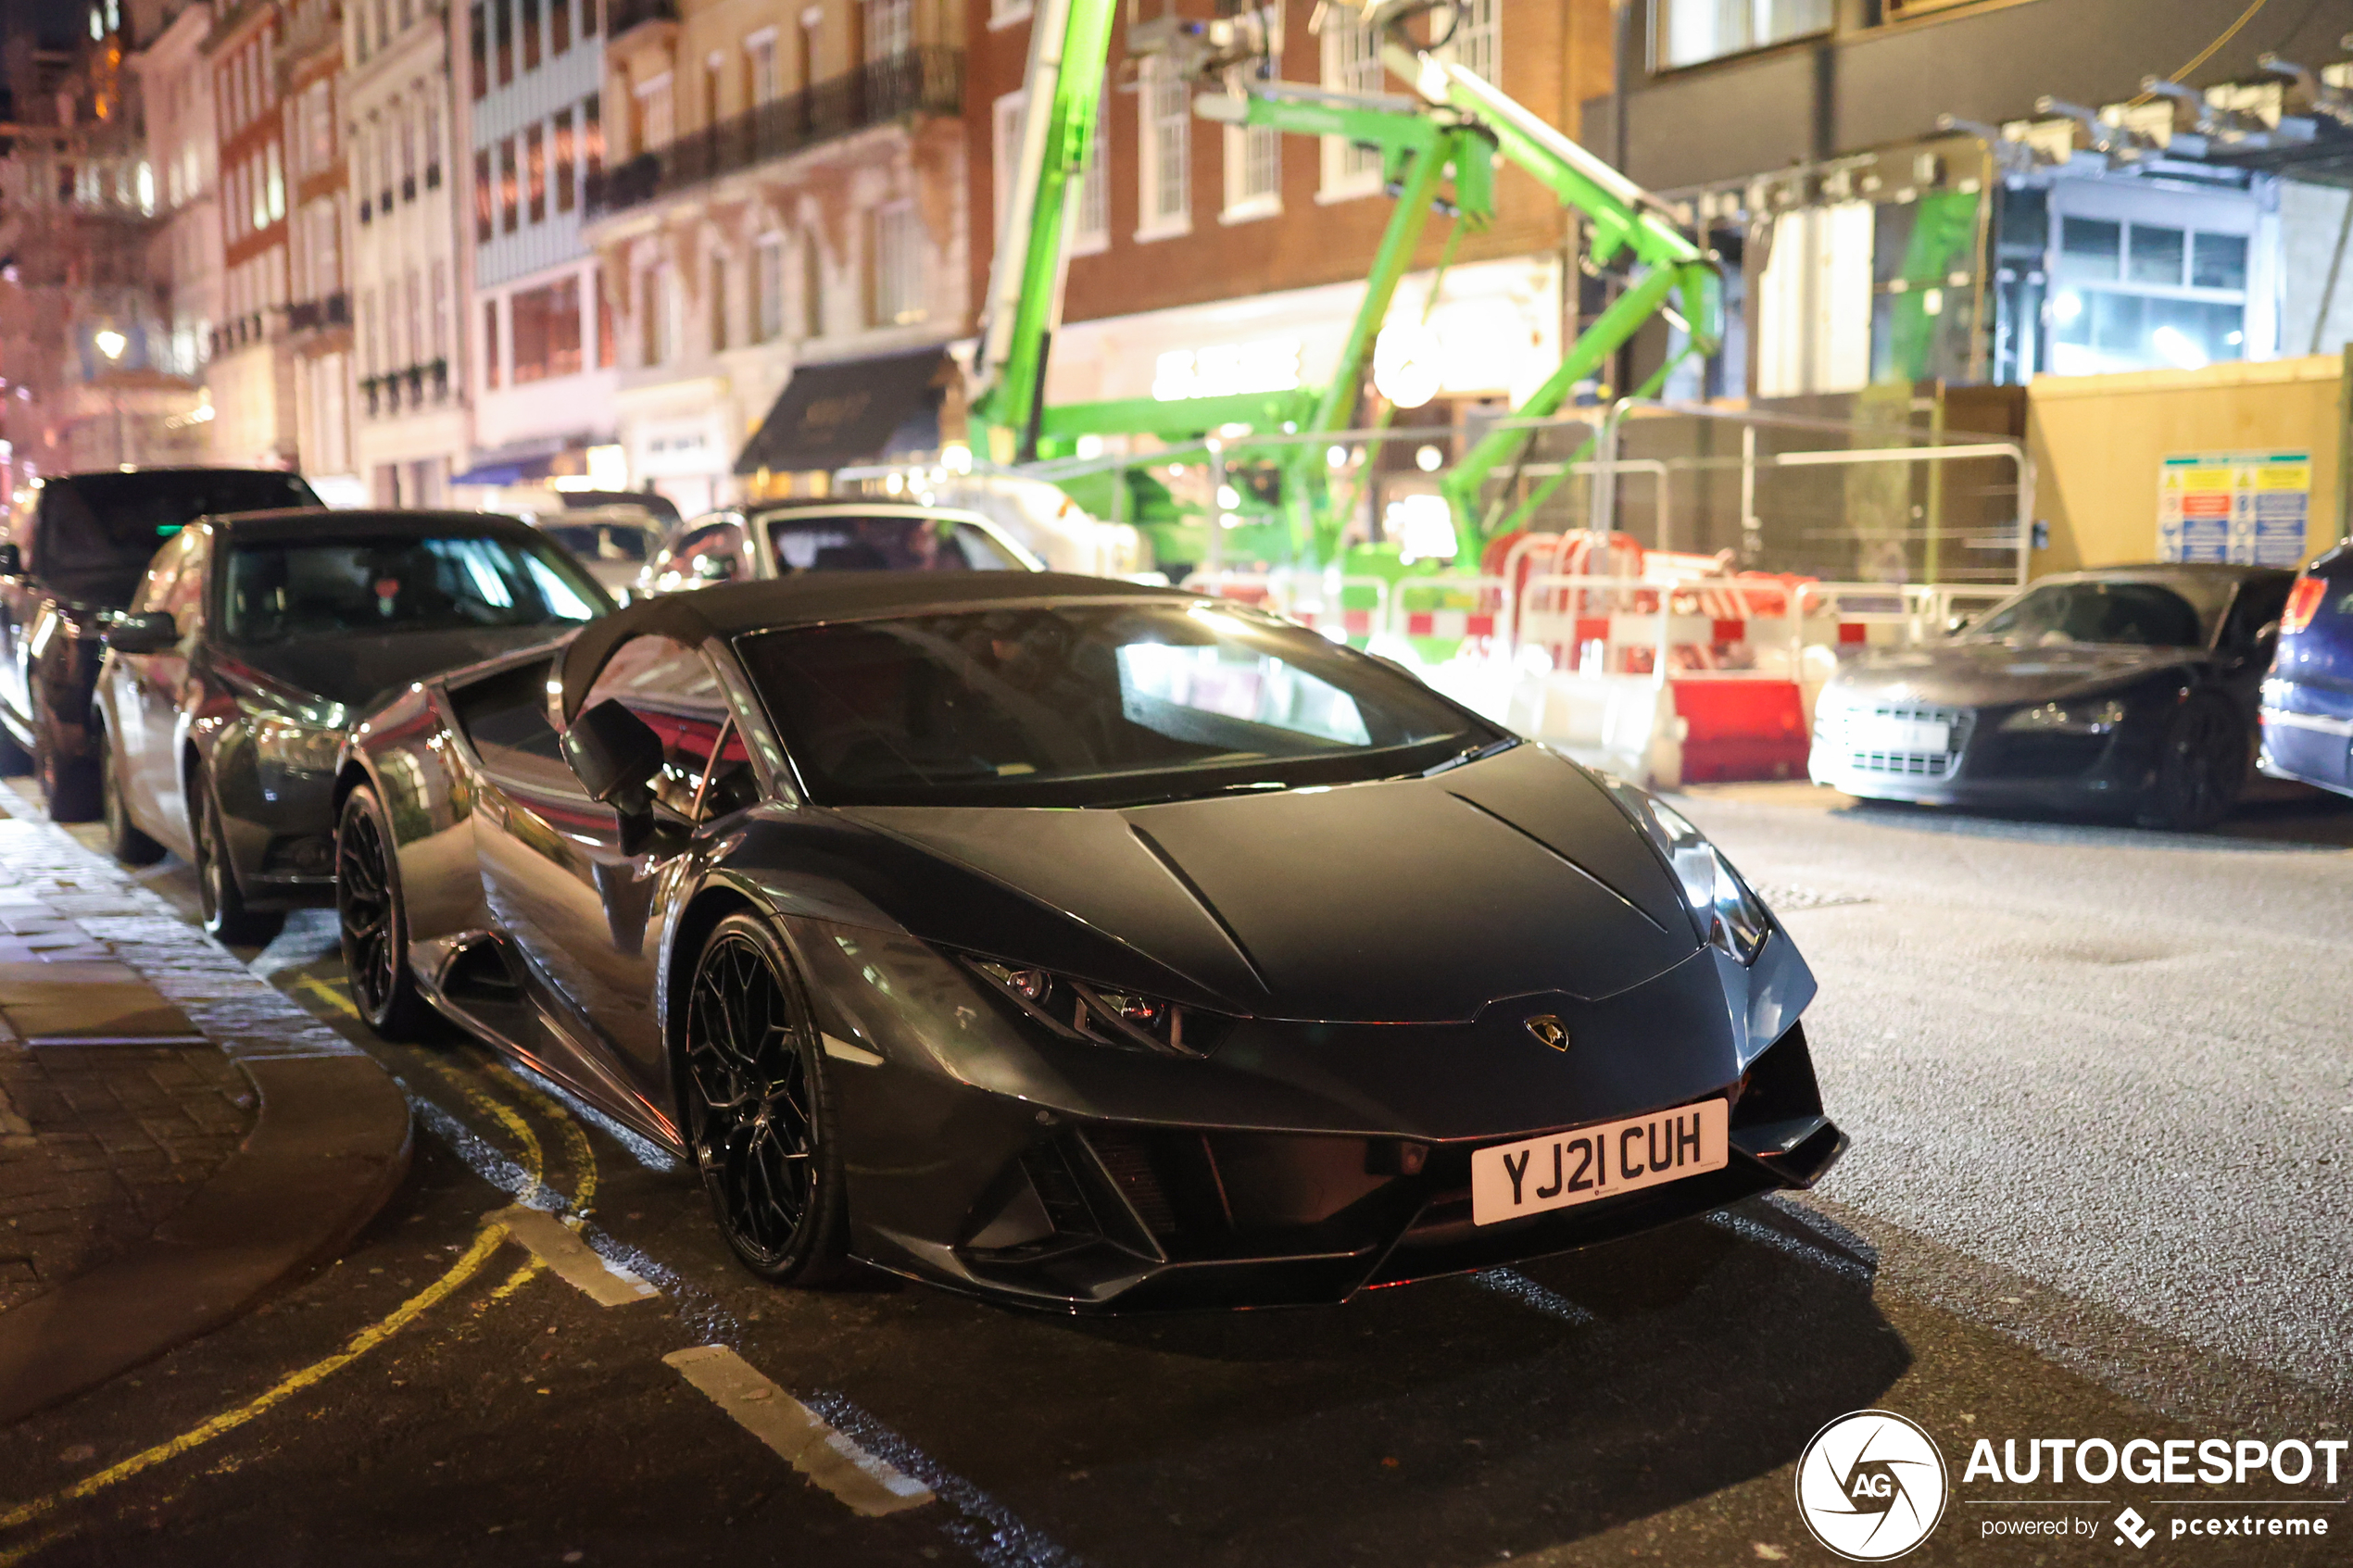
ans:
(1871, 1486)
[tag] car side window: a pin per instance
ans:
(705, 770)
(504, 716)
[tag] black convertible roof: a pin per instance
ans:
(810, 599)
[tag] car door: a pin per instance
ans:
(128, 692)
(587, 917)
(2250, 636)
(20, 598)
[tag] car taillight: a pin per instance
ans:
(2303, 603)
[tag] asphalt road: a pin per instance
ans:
(2099, 1089)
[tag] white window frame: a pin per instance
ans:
(1163, 103)
(1663, 28)
(1245, 145)
(1090, 214)
(763, 71)
(1478, 42)
(1005, 118)
(891, 30)
(899, 297)
(1351, 63)
(1007, 13)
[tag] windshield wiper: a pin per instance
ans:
(1472, 754)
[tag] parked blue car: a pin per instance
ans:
(2308, 699)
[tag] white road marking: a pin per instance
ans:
(596, 1277)
(802, 1438)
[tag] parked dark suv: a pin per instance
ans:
(71, 556)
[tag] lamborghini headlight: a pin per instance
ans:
(2096, 717)
(298, 743)
(1729, 917)
(1106, 1017)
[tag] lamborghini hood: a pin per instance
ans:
(1409, 900)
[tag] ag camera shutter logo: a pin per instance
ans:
(1871, 1486)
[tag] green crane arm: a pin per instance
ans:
(1069, 44)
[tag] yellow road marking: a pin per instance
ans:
(468, 1264)
(506, 1117)
(583, 1157)
(318, 988)
(515, 1281)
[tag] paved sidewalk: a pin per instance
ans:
(176, 1137)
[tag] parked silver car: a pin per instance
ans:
(783, 538)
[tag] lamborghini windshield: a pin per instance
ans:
(2142, 614)
(1090, 704)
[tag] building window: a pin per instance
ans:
(655, 126)
(898, 265)
(558, 26)
(485, 203)
(768, 288)
(2129, 295)
(430, 118)
(567, 192)
(717, 301)
(1006, 118)
(890, 28)
(534, 143)
(592, 133)
(1351, 64)
(606, 348)
(478, 45)
(1163, 168)
(1685, 32)
(530, 33)
(762, 84)
(812, 286)
(510, 191)
(1090, 227)
(1477, 43)
(438, 322)
(546, 331)
(653, 315)
(504, 11)
(1254, 172)
(1005, 12)
(490, 344)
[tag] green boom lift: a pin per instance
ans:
(1437, 147)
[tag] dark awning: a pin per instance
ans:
(851, 412)
(524, 462)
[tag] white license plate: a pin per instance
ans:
(1564, 1169)
(1932, 736)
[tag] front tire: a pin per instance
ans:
(2201, 767)
(226, 918)
(124, 840)
(374, 921)
(760, 1109)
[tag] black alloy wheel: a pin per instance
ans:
(759, 1109)
(2201, 767)
(226, 919)
(373, 921)
(124, 840)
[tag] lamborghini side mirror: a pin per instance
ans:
(615, 755)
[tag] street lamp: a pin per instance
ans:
(111, 343)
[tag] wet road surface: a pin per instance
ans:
(2021, 1024)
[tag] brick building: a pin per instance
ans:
(1193, 236)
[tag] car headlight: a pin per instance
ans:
(2094, 717)
(297, 744)
(1729, 917)
(1125, 1019)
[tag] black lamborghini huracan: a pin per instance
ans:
(1076, 944)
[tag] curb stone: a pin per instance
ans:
(329, 1147)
